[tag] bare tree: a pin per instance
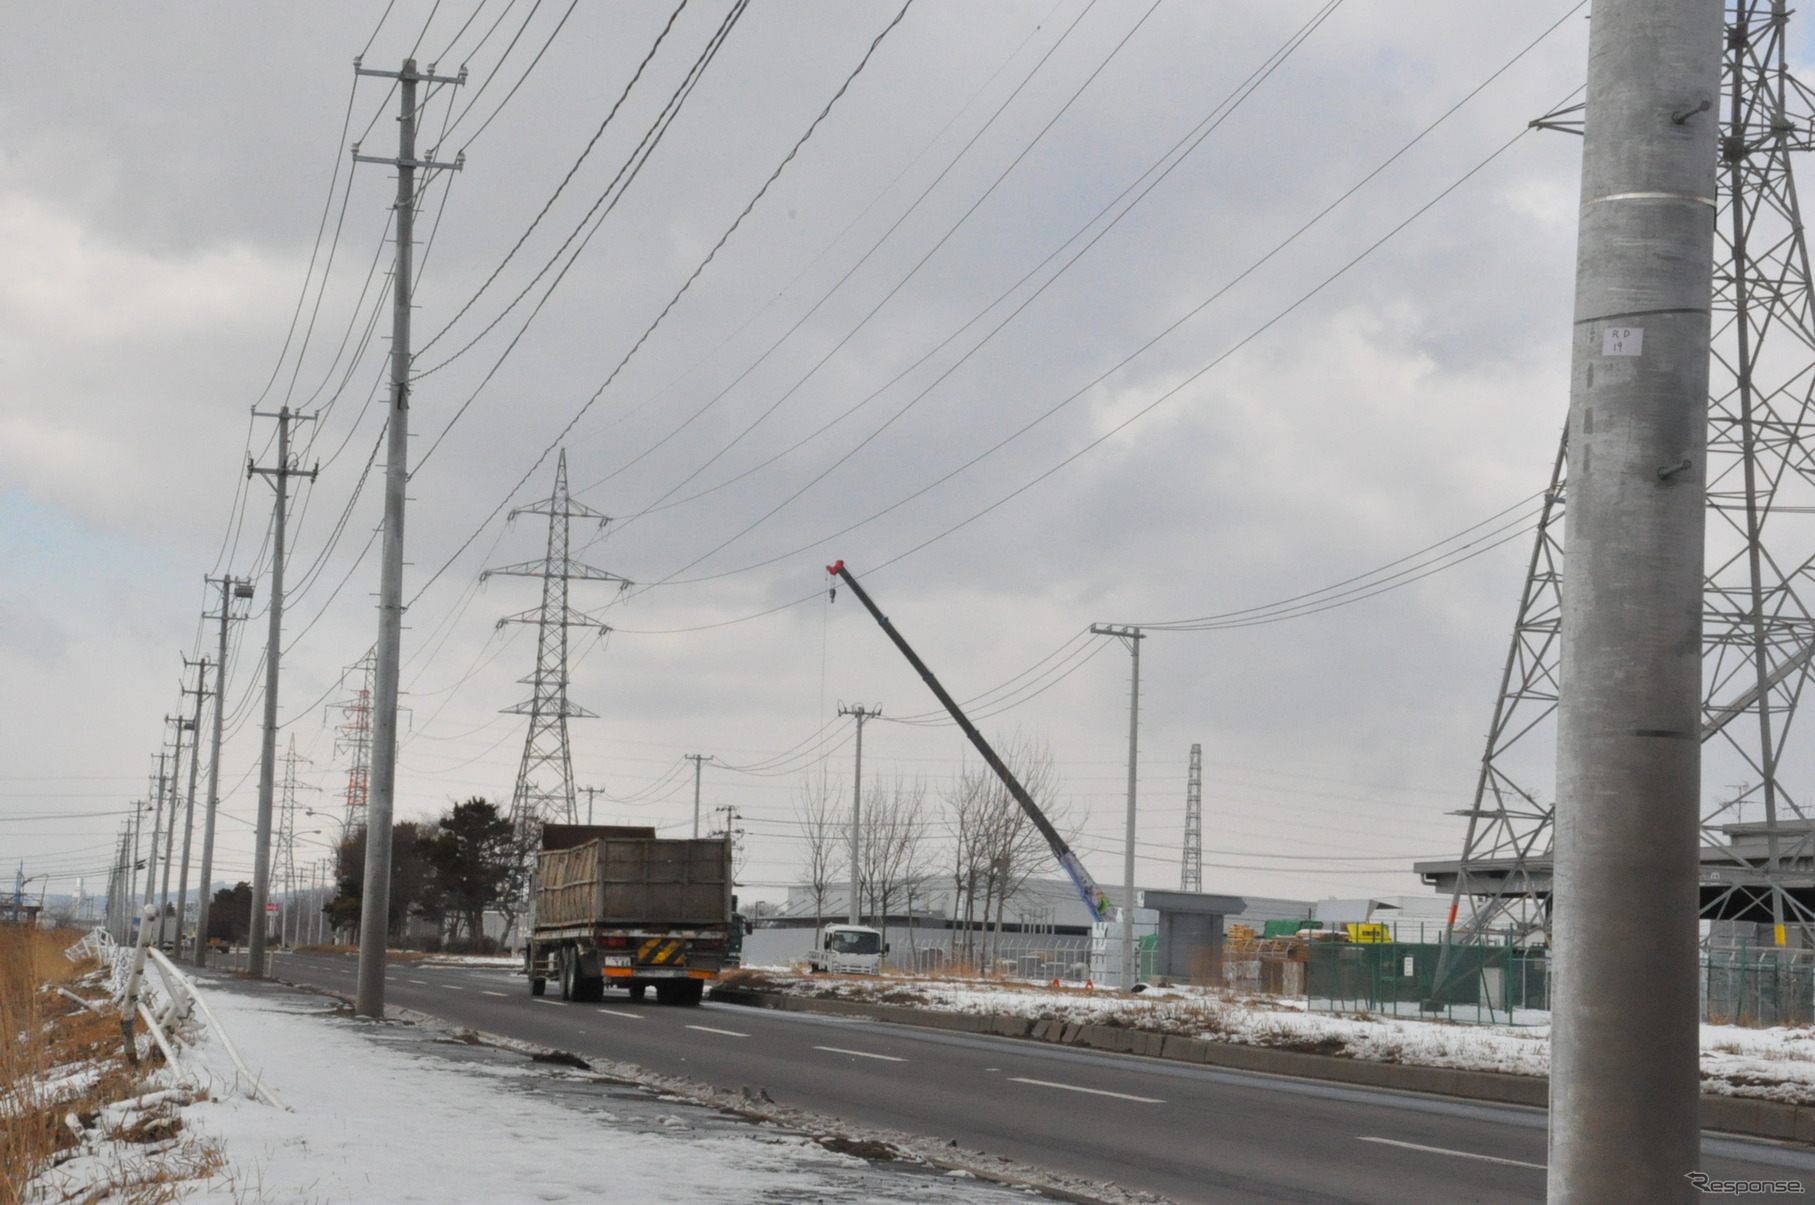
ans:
(996, 846)
(821, 820)
(893, 846)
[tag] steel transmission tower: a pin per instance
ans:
(353, 738)
(545, 787)
(1758, 633)
(1191, 868)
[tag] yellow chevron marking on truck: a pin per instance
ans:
(658, 951)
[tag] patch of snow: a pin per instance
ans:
(379, 1114)
(1772, 1064)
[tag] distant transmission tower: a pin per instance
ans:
(1758, 634)
(353, 739)
(283, 846)
(545, 790)
(1191, 871)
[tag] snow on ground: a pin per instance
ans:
(398, 1113)
(1773, 1064)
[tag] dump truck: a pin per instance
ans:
(620, 907)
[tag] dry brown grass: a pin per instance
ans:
(40, 1032)
(61, 1066)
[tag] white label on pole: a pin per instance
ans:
(1408, 966)
(1622, 341)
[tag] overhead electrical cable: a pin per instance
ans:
(723, 239)
(559, 189)
(876, 246)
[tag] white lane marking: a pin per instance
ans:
(450, 987)
(556, 1003)
(423, 982)
(612, 1012)
(1046, 1083)
(729, 1033)
(862, 1054)
(493, 993)
(1439, 1150)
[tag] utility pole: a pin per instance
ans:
(590, 792)
(132, 864)
(697, 759)
(231, 588)
(375, 906)
(1191, 871)
(274, 637)
(194, 724)
(862, 715)
(170, 791)
(151, 862)
(1132, 637)
(1624, 1086)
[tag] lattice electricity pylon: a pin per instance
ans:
(1757, 631)
(544, 791)
(283, 846)
(1191, 868)
(353, 738)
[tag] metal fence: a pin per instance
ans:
(1488, 985)
(1758, 985)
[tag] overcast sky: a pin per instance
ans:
(175, 179)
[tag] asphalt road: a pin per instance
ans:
(1194, 1134)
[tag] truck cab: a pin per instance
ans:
(848, 950)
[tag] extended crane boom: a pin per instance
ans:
(1088, 891)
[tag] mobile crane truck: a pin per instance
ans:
(621, 907)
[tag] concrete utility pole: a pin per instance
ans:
(697, 759)
(231, 588)
(274, 638)
(862, 715)
(151, 859)
(194, 724)
(590, 792)
(1132, 637)
(176, 773)
(375, 905)
(1624, 1083)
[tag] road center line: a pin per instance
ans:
(1439, 1150)
(729, 1033)
(556, 1003)
(612, 1012)
(492, 993)
(1046, 1083)
(450, 987)
(423, 982)
(862, 1054)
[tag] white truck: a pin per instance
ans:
(848, 950)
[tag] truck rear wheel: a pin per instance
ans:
(537, 985)
(567, 976)
(588, 990)
(638, 990)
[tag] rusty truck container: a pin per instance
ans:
(621, 907)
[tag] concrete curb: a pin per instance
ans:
(1738, 1115)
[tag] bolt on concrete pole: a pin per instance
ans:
(1624, 1082)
